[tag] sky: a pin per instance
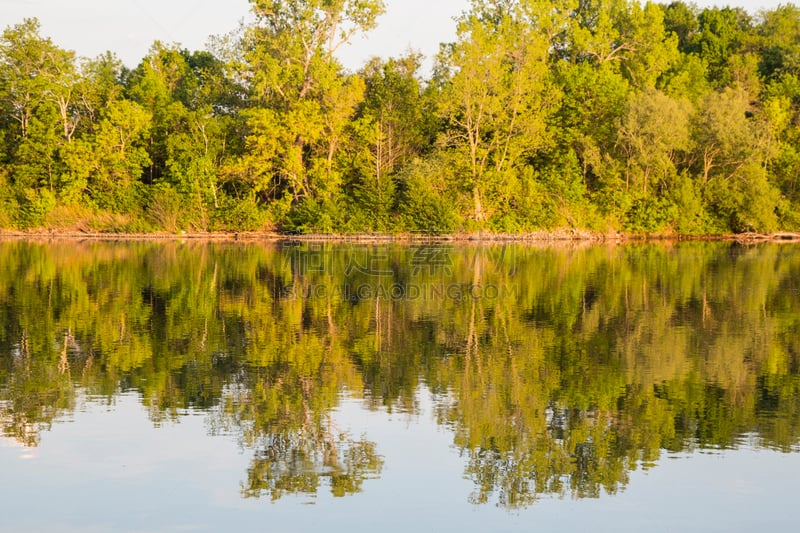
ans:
(129, 27)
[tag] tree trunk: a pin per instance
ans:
(476, 198)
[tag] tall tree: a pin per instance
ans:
(496, 93)
(302, 99)
(724, 33)
(34, 72)
(38, 97)
(391, 128)
(653, 134)
(734, 144)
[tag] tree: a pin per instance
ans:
(680, 18)
(390, 129)
(724, 32)
(119, 157)
(733, 145)
(652, 50)
(35, 72)
(653, 135)
(302, 99)
(496, 94)
(779, 31)
(157, 85)
(37, 91)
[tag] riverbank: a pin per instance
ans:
(405, 238)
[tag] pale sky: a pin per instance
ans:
(129, 27)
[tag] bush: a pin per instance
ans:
(8, 203)
(372, 205)
(313, 215)
(424, 204)
(745, 201)
(690, 217)
(109, 222)
(34, 206)
(71, 217)
(650, 215)
(243, 214)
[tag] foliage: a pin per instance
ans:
(425, 203)
(611, 115)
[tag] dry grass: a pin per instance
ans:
(84, 219)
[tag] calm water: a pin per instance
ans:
(196, 387)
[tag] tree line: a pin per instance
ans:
(608, 115)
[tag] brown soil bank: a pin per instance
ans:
(376, 238)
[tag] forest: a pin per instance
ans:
(600, 115)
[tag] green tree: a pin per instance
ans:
(623, 33)
(303, 101)
(724, 33)
(119, 157)
(654, 137)
(35, 73)
(496, 95)
(779, 30)
(733, 143)
(98, 86)
(391, 128)
(37, 91)
(681, 19)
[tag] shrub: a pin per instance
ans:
(424, 203)
(244, 214)
(34, 206)
(313, 215)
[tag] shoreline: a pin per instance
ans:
(537, 237)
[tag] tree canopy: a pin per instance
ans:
(595, 114)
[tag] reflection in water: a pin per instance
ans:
(558, 371)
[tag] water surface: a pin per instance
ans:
(190, 386)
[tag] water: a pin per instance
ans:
(195, 387)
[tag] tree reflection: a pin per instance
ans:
(294, 464)
(558, 371)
